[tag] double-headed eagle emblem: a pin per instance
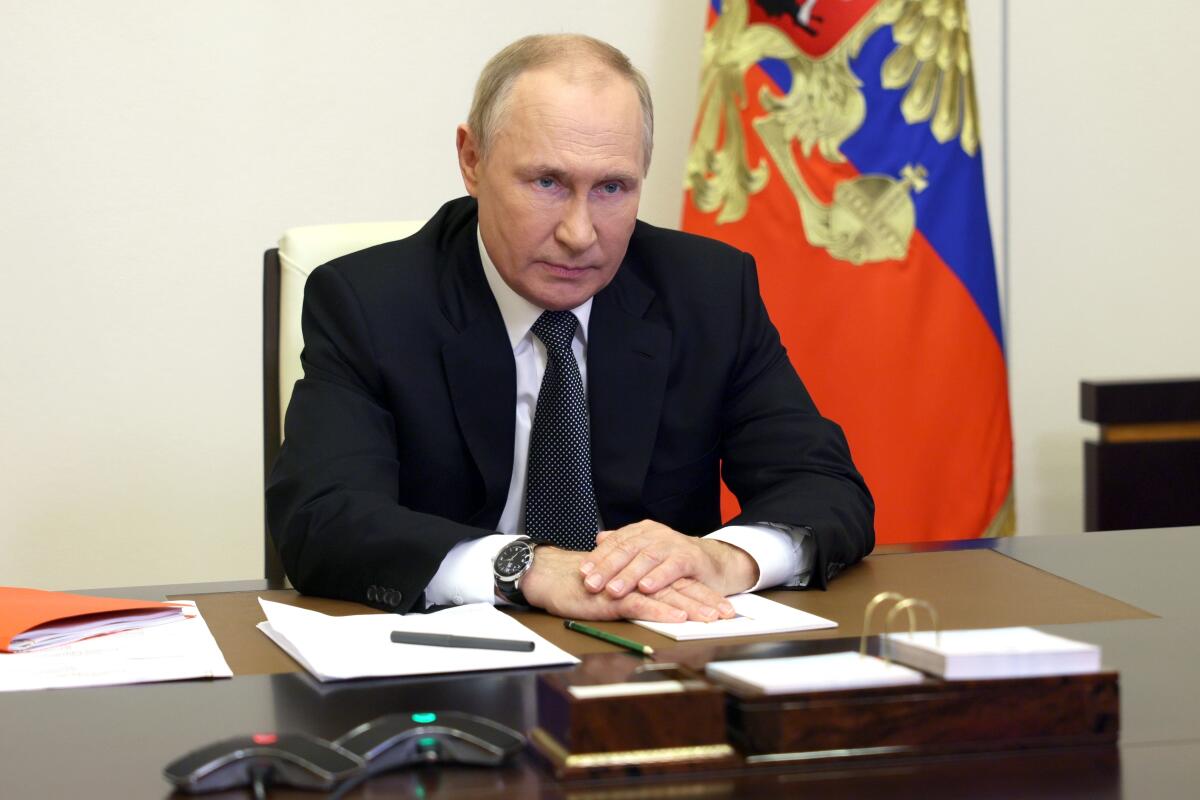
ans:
(871, 217)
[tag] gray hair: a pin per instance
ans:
(531, 52)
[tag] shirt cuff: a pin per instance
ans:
(465, 575)
(784, 554)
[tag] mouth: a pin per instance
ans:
(565, 270)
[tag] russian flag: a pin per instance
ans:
(837, 142)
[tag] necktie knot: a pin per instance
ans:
(556, 329)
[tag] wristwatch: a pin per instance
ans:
(510, 565)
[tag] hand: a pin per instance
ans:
(553, 583)
(649, 557)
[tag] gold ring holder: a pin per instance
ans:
(902, 603)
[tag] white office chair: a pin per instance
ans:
(285, 270)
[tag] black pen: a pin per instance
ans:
(448, 640)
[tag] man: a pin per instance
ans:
(536, 361)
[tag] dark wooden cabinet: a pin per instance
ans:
(1144, 469)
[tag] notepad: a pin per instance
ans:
(360, 646)
(756, 615)
(31, 618)
(825, 672)
(993, 653)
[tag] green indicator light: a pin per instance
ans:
(428, 741)
(424, 718)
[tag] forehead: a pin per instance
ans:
(572, 120)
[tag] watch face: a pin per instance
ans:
(513, 559)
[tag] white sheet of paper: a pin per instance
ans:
(360, 646)
(994, 653)
(755, 615)
(824, 672)
(180, 649)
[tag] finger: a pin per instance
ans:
(665, 573)
(640, 606)
(612, 537)
(617, 547)
(606, 566)
(627, 580)
(605, 542)
(705, 594)
(696, 609)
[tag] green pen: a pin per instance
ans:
(612, 638)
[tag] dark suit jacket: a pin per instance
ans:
(398, 440)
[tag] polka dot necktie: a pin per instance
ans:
(560, 504)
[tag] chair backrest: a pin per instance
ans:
(285, 270)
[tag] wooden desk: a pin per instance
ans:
(971, 587)
(1134, 593)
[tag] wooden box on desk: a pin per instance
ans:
(595, 721)
(931, 718)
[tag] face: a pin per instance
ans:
(559, 187)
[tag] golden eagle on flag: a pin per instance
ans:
(838, 142)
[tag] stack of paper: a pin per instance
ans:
(180, 650)
(32, 618)
(338, 648)
(826, 672)
(993, 653)
(755, 615)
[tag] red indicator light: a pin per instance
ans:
(265, 738)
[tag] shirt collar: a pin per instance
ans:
(518, 313)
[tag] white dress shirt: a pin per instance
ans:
(784, 556)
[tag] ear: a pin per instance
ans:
(468, 159)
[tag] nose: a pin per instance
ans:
(575, 230)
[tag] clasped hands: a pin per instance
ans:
(642, 571)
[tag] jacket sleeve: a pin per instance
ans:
(784, 462)
(332, 499)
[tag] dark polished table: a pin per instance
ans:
(1135, 593)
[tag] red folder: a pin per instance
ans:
(22, 610)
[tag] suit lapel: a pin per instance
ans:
(628, 362)
(480, 374)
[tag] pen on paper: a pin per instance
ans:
(469, 642)
(612, 638)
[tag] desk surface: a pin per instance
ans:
(1134, 593)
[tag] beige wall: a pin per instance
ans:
(1105, 277)
(149, 153)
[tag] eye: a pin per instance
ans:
(612, 187)
(545, 182)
